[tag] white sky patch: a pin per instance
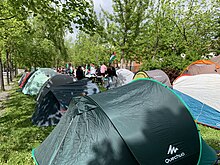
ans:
(105, 4)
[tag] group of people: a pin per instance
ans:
(103, 74)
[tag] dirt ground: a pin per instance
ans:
(4, 95)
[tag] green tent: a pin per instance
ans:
(143, 122)
(36, 81)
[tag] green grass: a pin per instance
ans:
(211, 136)
(18, 136)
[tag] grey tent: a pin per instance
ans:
(143, 122)
(157, 74)
(216, 59)
(202, 67)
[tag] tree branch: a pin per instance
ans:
(176, 26)
(3, 19)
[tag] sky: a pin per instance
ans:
(105, 4)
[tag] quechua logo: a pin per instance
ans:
(172, 150)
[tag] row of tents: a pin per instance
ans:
(54, 91)
(199, 87)
(143, 120)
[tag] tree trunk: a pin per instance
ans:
(57, 63)
(122, 59)
(16, 70)
(10, 68)
(1, 74)
(7, 63)
(130, 65)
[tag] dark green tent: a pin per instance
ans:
(143, 122)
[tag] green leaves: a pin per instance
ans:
(125, 25)
(42, 23)
(179, 27)
(89, 49)
(140, 29)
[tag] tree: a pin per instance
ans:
(10, 28)
(1, 72)
(88, 49)
(57, 12)
(125, 26)
(55, 18)
(179, 27)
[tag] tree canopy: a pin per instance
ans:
(159, 33)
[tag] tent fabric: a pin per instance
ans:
(160, 76)
(140, 74)
(54, 98)
(204, 87)
(201, 112)
(59, 79)
(48, 112)
(142, 122)
(202, 67)
(25, 79)
(207, 155)
(216, 59)
(157, 74)
(37, 80)
(124, 76)
(22, 78)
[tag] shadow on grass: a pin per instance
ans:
(215, 143)
(19, 100)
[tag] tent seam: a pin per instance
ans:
(32, 153)
(54, 155)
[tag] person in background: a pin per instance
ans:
(63, 70)
(111, 75)
(70, 69)
(114, 72)
(79, 73)
(59, 69)
(98, 75)
(103, 69)
(98, 71)
(67, 68)
(86, 69)
(92, 69)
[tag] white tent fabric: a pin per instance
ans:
(203, 87)
(37, 80)
(125, 76)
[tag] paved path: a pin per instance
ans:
(4, 95)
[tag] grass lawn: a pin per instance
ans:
(18, 136)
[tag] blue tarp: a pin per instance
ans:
(201, 112)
